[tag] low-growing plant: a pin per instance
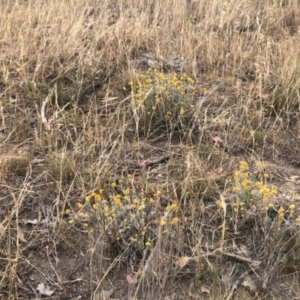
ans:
(125, 215)
(162, 101)
(250, 193)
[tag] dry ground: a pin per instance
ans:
(69, 128)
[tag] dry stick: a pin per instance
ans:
(253, 263)
(45, 102)
(224, 224)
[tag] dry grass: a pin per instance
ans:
(80, 113)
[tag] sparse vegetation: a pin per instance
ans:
(162, 102)
(126, 216)
(149, 150)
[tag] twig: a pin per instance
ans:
(43, 117)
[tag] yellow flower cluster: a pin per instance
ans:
(251, 192)
(124, 213)
(164, 222)
(160, 94)
(168, 217)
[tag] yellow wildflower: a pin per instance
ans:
(117, 201)
(246, 183)
(292, 206)
(259, 184)
(141, 207)
(163, 223)
(236, 189)
(244, 175)
(95, 206)
(97, 197)
(281, 212)
(190, 80)
(220, 203)
(174, 220)
(127, 191)
(171, 206)
(151, 200)
(158, 193)
(244, 166)
(265, 191)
